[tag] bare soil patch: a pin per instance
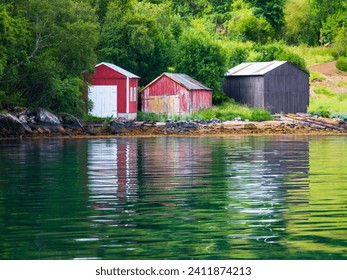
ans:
(336, 80)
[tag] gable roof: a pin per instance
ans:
(182, 79)
(118, 69)
(254, 68)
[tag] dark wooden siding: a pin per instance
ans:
(246, 90)
(284, 89)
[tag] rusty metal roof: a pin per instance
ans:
(118, 69)
(186, 81)
(254, 68)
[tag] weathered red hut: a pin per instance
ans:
(174, 94)
(113, 92)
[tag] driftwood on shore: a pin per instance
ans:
(41, 123)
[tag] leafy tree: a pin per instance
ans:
(272, 10)
(244, 26)
(203, 58)
(340, 42)
(299, 23)
(278, 51)
(332, 27)
(139, 37)
(54, 41)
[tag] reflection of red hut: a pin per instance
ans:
(175, 94)
(113, 92)
(112, 172)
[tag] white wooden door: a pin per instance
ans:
(104, 100)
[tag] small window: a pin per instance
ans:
(135, 94)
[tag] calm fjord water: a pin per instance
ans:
(282, 197)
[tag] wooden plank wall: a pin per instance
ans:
(283, 90)
(246, 90)
(286, 90)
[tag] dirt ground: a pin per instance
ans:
(336, 80)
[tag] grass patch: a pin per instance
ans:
(328, 105)
(313, 55)
(342, 84)
(316, 77)
(231, 110)
(227, 111)
(325, 91)
(141, 116)
(91, 118)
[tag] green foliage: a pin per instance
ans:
(230, 110)
(272, 11)
(332, 26)
(45, 45)
(322, 111)
(139, 37)
(278, 51)
(53, 42)
(68, 96)
(10, 101)
(299, 23)
(237, 53)
(202, 57)
(141, 116)
(340, 42)
(341, 64)
(327, 103)
(244, 26)
(313, 55)
(324, 91)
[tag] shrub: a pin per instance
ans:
(322, 111)
(277, 51)
(341, 63)
(10, 101)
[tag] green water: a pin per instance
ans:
(174, 198)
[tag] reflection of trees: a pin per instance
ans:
(174, 198)
(35, 211)
(318, 228)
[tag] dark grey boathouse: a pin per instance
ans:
(277, 86)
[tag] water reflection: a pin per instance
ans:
(174, 198)
(232, 194)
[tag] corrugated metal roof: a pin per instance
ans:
(254, 68)
(118, 69)
(186, 81)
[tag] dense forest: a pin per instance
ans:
(47, 45)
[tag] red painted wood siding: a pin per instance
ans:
(107, 76)
(201, 99)
(163, 86)
(189, 101)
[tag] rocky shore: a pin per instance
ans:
(42, 123)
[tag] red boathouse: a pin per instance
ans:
(113, 92)
(175, 94)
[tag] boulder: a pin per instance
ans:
(46, 120)
(12, 126)
(45, 117)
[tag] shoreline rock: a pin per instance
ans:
(42, 123)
